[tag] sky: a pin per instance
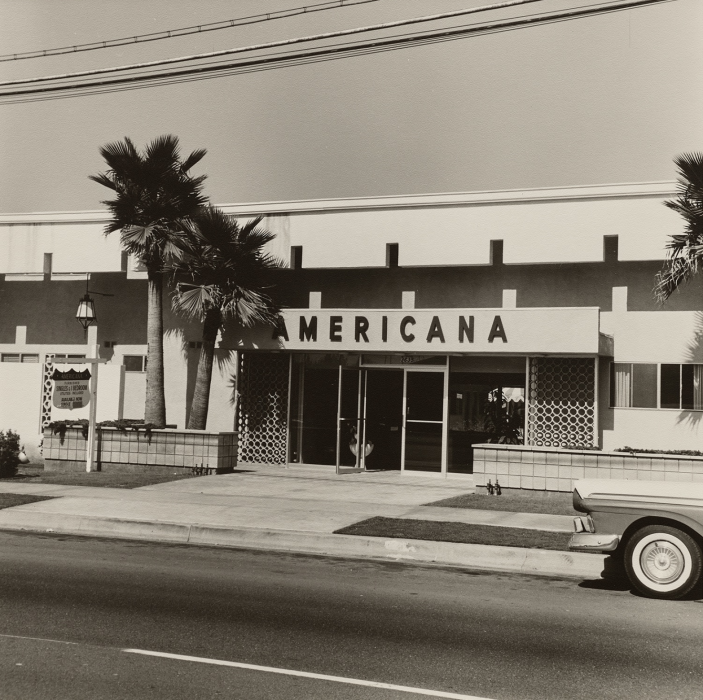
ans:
(607, 99)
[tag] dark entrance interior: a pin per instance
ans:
(384, 418)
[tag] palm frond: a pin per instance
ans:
(155, 198)
(229, 261)
(193, 159)
(193, 301)
(690, 167)
(685, 250)
(164, 152)
(104, 180)
(675, 274)
(136, 236)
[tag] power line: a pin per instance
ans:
(184, 31)
(315, 55)
(274, 44)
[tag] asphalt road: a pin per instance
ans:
(70, 608)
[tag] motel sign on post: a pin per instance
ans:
(71, 388)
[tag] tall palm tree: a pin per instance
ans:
(226, 275)
(156, 198)
(685, 258)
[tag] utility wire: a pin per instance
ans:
(274, 44)
(315, 55)
(185, 31)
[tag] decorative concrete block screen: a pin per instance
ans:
(137, 450)
(263, 408)
(552, 469)
(561, 401)
(46, 391)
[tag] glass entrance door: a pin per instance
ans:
(424, 421)
(350, 444)
(383, 424)
(390, 419)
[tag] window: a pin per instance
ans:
(682, 387)
(392, 252)
(134, 363)
(62, 356)
(633, 385)
(19, 357)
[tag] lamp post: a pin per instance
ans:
(86, 316)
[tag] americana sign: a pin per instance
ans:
(71, 388)
(539, 330)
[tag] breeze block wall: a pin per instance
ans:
(553, 469)
(137, 450)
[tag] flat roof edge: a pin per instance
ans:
(477, 198)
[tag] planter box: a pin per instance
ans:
(554, 469)
(137, 450)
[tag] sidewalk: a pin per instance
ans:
(297, 510)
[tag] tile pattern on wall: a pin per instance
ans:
(545, 469)
(170, 448)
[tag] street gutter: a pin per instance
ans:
(538, 562)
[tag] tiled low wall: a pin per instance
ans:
(554, 469)
(131, 450)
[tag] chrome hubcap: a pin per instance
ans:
(662, 562)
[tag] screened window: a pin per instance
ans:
(633, 385)
(19, 357)
(134, 363)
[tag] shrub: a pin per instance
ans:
(683, 453)
(9, 451)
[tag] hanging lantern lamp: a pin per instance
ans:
(86, 312)
(86, 306)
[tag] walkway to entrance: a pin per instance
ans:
(311, 499)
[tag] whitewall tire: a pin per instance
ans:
(663, 562)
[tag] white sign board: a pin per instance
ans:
(485, 331)
(71, 389)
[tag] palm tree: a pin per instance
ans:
(224, 276)
(685, 257)
(156, 198)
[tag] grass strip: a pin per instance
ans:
(544, 502)
(457, 532)
(114, 480)
(10, 500)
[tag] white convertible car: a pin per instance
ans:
(657, 527)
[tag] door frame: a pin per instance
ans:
(445, 417)
(361, 415)
(359, 465)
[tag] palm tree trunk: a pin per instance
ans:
(197, 420)
(155, 408)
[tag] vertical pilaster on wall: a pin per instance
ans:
(263, 408)
(596, 398)
(46, 388)
(561, 406)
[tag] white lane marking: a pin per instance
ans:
(37, 639)
(305, 674)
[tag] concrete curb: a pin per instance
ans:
(538, 562)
